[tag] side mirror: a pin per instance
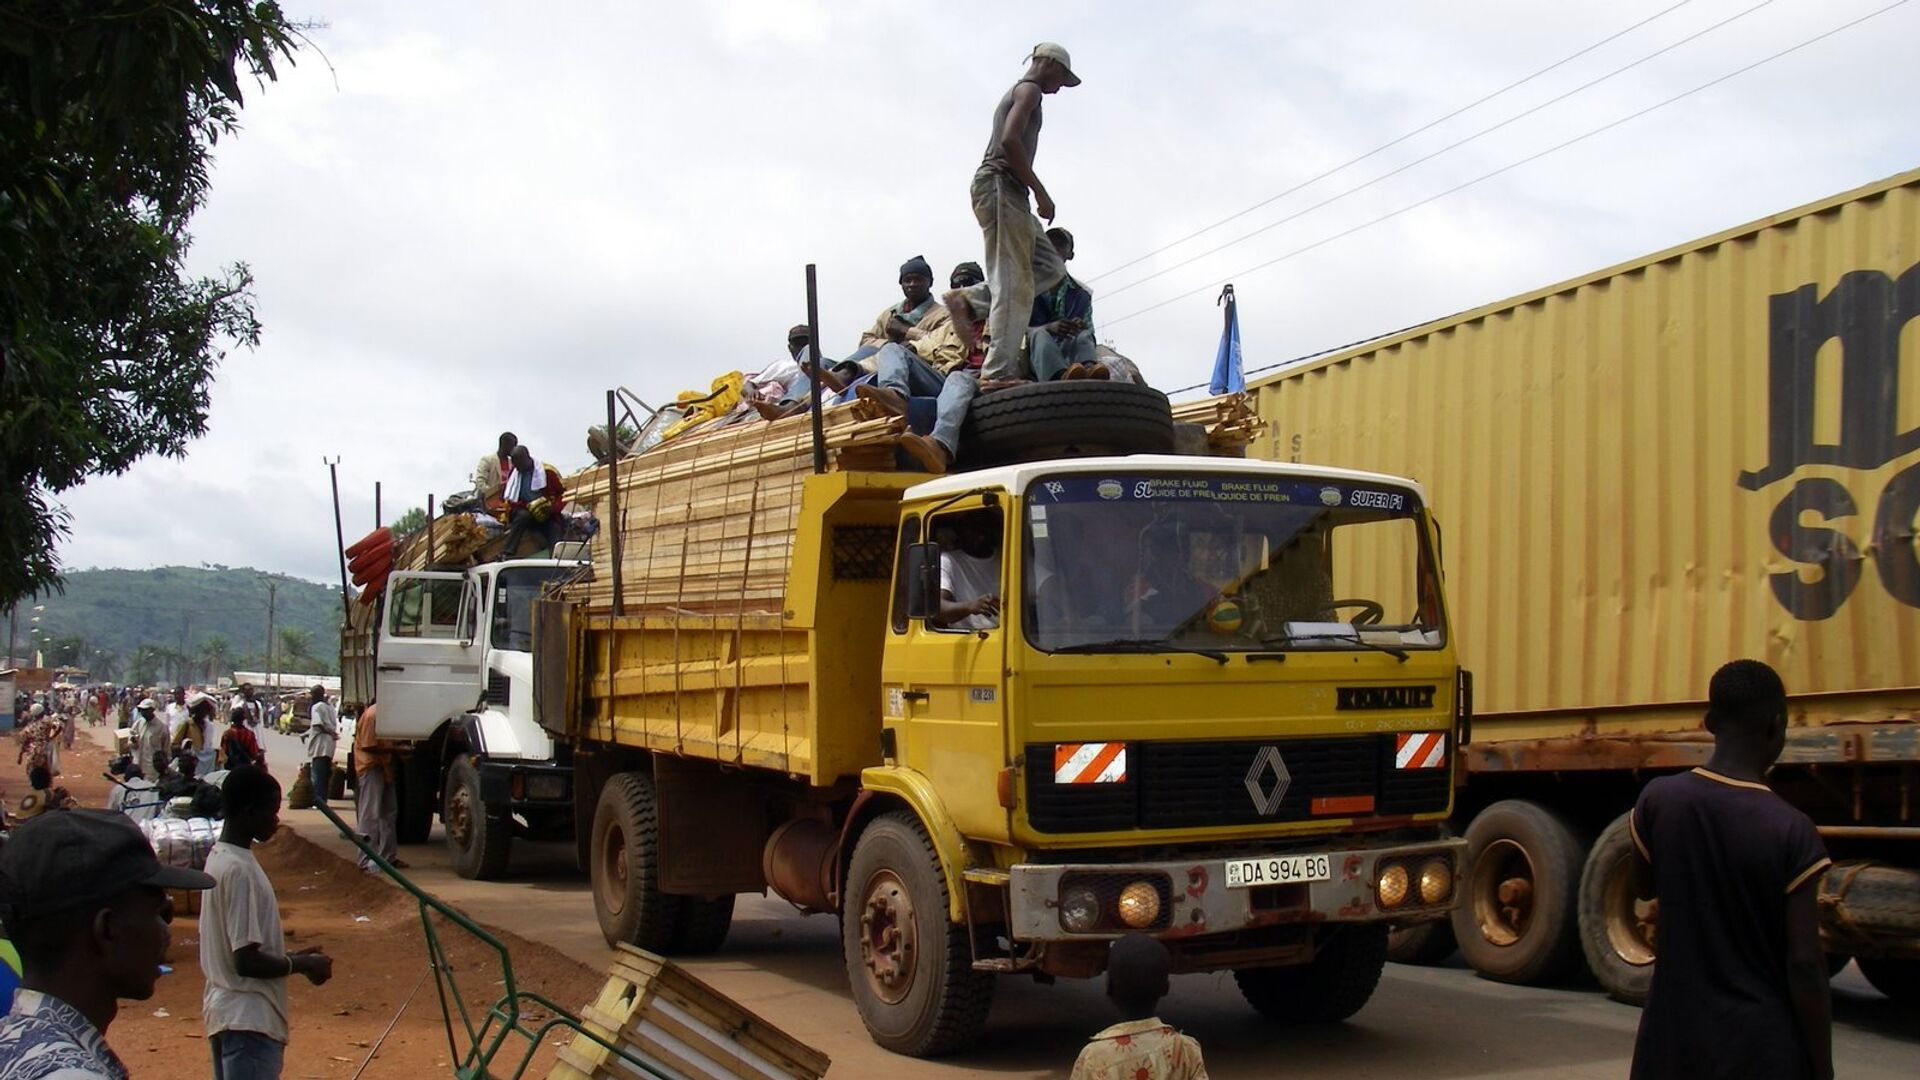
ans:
(923, 581)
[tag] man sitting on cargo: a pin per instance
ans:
(534, 500)
(490, 475)
(970, 572)
(1060, 332)
(914, 317)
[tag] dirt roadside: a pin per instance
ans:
(372, 930)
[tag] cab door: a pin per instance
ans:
(430, 656)
(945, 694)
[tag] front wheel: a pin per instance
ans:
(1332, 987)
(414, 821)
(479, 837)
(911, 970)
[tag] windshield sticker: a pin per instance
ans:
(1229, 488)
(1330, 496)
(1108, 489)
(1378, 500)
(1037, 512)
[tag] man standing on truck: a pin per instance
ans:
(1018, 259)
(490, 474)
(1740, 984)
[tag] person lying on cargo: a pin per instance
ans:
(534, 500)
(1060, 331)
(796, 379)
(970, 573)
(916, 315)
(1140, 1047)
(1740, 984)
(491, 473)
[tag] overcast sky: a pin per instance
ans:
(471, 217)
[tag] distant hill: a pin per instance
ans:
(135, 625)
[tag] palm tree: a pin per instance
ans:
(103, 664)
(296, 648)
(146, 663)
(216, 653)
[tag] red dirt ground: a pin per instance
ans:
(377, 964)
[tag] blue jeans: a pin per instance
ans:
(900, 368)
(1049, 356)
(320, 771)
(956, 396)
(246, 1055)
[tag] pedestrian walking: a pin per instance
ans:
(323, 735)
(376, 812)
(1140, 1047)
(84, 901)
(243, 954)
(1740, 984)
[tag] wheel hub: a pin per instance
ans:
(1631, 922)
(1503, 892)
(887, 937)
(613, 877)
(460, 817)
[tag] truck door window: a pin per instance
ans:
(425, 608)
(972, 569)
(909, 536)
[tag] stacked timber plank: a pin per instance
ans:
(707, 522)
(1230, 421)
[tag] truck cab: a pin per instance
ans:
(454, 683)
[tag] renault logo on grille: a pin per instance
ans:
(1267, 791)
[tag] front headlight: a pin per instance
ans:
(1079, 909)
(1139, 905)
(1436, 881)
(1392, 887)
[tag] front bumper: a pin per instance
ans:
(526, 785)
(1197, 901)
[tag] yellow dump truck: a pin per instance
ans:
(1708, 453)
(1211, 700)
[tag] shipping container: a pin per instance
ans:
(1708, 453)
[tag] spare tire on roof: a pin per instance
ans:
(1067, 418)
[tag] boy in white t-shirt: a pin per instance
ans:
(970, 574)
(242, 952)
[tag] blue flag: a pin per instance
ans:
(1229, 373)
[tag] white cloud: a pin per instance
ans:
(483, 215)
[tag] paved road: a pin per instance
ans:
(1438, 1022)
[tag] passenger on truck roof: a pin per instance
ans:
(790, 382)
(534, 498)
(966, 274)
(1060, 330)
(914, 317)
(969, 570)
(491, 473)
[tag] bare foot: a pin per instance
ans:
(769, 410)
(893, 401)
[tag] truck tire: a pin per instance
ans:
(1517, 922)
(479, 837)
(416, 798)
(1332, 987)
(1075, 418)
(1896, 977)
(1615, 933)
(625, 868)
(910, 969)
(704, 924)
(1422, 944)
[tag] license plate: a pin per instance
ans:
(1278, 870)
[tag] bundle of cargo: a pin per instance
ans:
(1229, 420)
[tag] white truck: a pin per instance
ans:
(448, 656)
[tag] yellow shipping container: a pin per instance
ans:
(1707, 453)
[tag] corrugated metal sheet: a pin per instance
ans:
(1610, 458)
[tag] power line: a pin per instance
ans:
(1515, 164)
(1356, 189)
(1428, 126)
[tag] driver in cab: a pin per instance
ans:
(970, 572)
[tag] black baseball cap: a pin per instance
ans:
(69, 858)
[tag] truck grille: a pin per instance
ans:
(1181, 785)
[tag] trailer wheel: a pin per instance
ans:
(479, 837)
(1330, 988)
(1896, 977)
(1422, 944)
(911, 970)
(704, 924)
(1616, 924)
(625, 867)
(1066, 419)
(1517, 922)
(414, 822)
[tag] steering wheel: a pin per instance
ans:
(1371, 611)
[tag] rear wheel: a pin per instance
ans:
(1616, 923)
(1335, 985)
(704, 924)
(625, 867)
(414, 822)
(911, 970)
(1896, 977)
(1518, 921)
(1422, 944)
(479, 837)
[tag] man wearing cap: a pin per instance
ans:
(85, 902)
(795, 385)
(243, 953)
(151, 739)
(916, 316)
(1060, 330)
(1018, 264)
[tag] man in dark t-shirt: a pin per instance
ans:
(1740, 984)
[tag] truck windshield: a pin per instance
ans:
(1224, 562)
(514, 591)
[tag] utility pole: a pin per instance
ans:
(272, 588)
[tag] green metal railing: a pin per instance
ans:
(486, 1031)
